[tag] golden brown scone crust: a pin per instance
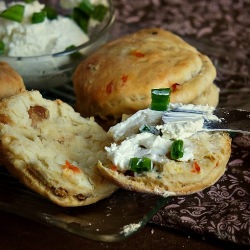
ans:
(11, 82)
(208, 97)
(118, 77)
(211, 154)
(53, 150)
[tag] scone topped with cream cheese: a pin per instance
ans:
(167, 152)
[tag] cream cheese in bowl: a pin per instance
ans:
(45, 54)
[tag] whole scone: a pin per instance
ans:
(118, 77)
(11, 82)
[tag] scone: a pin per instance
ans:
(152, 160)
(118, 77)
(208, 97)
(11, 82)
(53, 150)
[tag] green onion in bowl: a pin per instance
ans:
(38, 17)
(14, 13)
(2, 47)
(86, 10)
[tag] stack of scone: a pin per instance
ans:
(118, 77)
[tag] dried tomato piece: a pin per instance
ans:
(71, 167)
(138, 54)
(109, 87)
(175, 87)
(37, 114)
(124, 78)
(196, 167)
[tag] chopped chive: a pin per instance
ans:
(160, 99)
(38, 17)
(14, 13)
(2, 47)
(140, 164)
(177, 149)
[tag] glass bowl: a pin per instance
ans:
(52, 70)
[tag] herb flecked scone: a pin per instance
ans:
(53, 150)
(117, 78)
(165, 158)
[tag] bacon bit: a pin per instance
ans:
(175, 87)
(217, 164)
(196, 167)
(124, 78)
(72, 167)
(109, 88)
(138, 54)
(113, 167)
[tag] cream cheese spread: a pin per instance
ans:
(50, 36)
(157, 146)
(182, 121)
(132, 124)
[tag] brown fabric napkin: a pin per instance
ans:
(221, 211)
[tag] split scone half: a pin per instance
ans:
(204, 159)
(53, 150)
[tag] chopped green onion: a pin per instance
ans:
(2, 47)
(145, 128)
(51, 13)
(70, 47)
(177, 149)
(86, 7)
(140, 164)
(14, 13)
(160, 99)
(38, 17)
(81, 19)
(75, 55)
(86, 10)
(99, 12)
(149, 129)
(29, 1)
